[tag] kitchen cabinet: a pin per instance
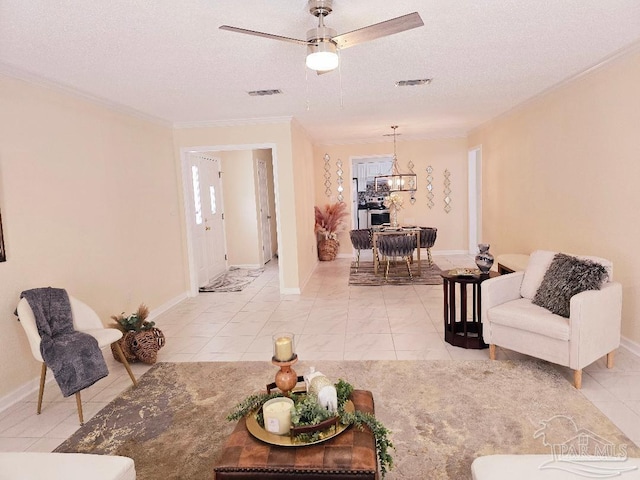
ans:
(373, 169)
(384, 168)
(365, 172)
(362, 177)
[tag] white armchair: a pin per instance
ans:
(86, 320)
(512, 321)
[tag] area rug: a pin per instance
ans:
(233, 280)
(442, 414)
(398, 274)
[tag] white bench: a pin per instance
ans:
(65, 466)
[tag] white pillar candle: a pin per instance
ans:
(283, 348)
(277, 415)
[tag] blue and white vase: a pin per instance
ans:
(484, 259)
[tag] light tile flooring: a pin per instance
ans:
(331, 321)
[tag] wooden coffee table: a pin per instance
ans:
(348, 456)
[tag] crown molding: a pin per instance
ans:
(405, 138)
(25, 76)
(603, 63)
(238, 122)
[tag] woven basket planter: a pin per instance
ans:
(327, 249)
(140, 346)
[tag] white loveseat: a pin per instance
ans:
(65, 466)
(512, 321)
(546, 467)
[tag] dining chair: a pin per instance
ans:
(397, 245)
(86, 320)
(361, 240)
(427, 240)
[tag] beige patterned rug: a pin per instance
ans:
(398, 274)
(442, 414)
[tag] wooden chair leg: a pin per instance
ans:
(610, 358)
(409, 268)
(577, 378)
(124, 361)
(79, 404)
(43, 376)
(492, 351)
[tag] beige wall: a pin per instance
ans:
(89, 203)
(294, 265)
(304, 195)
(561, 173)
(240, 208)
(441, 154)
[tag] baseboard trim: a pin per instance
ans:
(22, 392)
(630, 345)
(160, 309)
(439, 253)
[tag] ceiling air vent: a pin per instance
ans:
(262, 93)
(413, 83)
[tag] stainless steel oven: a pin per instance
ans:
(378, 217)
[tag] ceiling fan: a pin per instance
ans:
(323, 43)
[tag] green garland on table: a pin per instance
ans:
(307, 411)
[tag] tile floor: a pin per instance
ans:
(331, 321)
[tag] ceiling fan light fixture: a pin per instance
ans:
(322, 57)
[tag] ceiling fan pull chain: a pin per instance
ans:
(340, 76)
(306, 84)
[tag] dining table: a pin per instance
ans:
(389, 230)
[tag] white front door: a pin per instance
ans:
(207, 219)
(265, 215)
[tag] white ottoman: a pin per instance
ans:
(528, 467)
(65, 466)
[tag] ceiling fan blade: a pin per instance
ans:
(265, 35)
(382, 29)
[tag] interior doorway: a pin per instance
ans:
(264, 211)
(193, 242)
(475, 199)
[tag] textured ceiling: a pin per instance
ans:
(168, 59)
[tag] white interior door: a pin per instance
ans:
(207, 219)
(265, 214)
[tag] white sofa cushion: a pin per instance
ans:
(539, 262)
(65, 466)
(521, 314)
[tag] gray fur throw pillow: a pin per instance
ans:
(566, 277)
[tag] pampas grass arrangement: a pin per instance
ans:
(330, 219)
(329, 222)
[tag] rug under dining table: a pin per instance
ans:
(398, 274)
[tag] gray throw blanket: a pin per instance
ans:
(74, 357)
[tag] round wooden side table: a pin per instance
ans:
(460, 328)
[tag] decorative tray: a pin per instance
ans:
(465, 272)
(290, 441)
